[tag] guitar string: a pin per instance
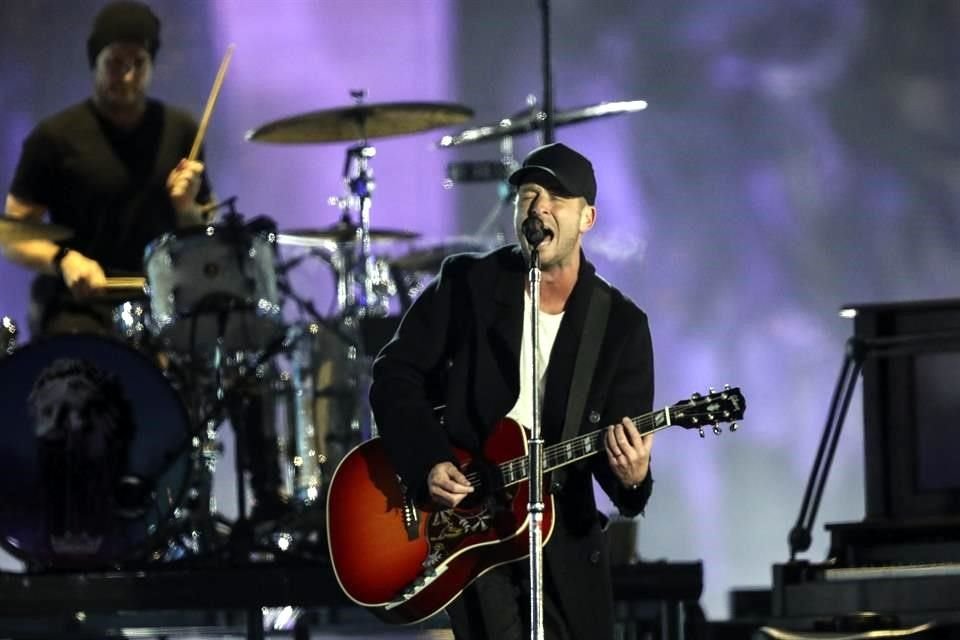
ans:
(582, 446)
(567, 451)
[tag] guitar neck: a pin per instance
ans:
(570, 451)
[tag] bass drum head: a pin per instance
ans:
(96, 459)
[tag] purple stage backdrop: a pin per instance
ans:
(795, 156)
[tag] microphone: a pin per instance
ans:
(532, 226)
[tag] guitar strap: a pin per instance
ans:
(583, 368)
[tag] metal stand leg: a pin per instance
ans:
(301, 630)
(255, 623)
(671, 620)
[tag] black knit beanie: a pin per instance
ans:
(124, 21)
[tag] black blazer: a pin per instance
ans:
(459, 346)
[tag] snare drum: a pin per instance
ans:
(209, 283)
(97, 456)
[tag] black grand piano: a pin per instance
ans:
(903, 559)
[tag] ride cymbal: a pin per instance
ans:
(16, 230)
(526, 121)
(361, 122)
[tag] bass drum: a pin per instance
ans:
(97, 455)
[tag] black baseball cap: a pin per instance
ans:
(561, 165)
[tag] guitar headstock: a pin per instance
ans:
(726, 405)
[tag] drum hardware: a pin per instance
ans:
(413, 270)
(428, 258)
(130, 320)
(211, 210)
(8, 336)
(353, 263)
(228, 380)
(14, 230)
(355, 268)
(323, 397)
(477, 171)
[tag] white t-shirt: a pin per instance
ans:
(549, 324)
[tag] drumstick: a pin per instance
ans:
(131, 283)
(212, 100)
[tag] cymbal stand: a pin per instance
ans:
(196, 535)
(505, 191)
(355, 294)
(212, 413)
(241, 532)
(357, 298)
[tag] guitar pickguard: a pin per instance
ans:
(447, 530)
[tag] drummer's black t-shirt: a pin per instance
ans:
(106, 184)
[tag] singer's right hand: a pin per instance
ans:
(447, 485)
(82, 275)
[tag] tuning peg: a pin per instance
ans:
(717, 430)
(734, 426)
(700, 431)
(711, 390)
(695, 396)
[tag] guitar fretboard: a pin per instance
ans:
(564, 453)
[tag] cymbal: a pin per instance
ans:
(525, 122)
(16, 230)
(341, 232)
(361, 122)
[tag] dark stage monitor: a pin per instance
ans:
(911, 408)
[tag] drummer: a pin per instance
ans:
(113, 169)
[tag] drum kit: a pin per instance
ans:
(111, 442)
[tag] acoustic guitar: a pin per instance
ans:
(406, 561)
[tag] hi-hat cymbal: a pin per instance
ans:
(341, 232)
(525, 122)
(361, 122)
(16, 230)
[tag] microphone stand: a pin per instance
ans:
(533, 231)
(532, 228)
